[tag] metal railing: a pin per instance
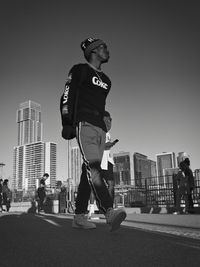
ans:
(152, 191)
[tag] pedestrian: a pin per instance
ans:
(190, 176)
(41, 192)
(107, 162)
(6, 195)
(1, 194)
(94, 86)
(182, 188)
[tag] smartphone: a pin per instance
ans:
(116, 140)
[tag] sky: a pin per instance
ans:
(154, 68)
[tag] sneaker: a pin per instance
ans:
(80, 221)
(115, 217)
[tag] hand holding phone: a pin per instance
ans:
(115, 141)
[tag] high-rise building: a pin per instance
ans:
(122, 168)
(197, 181)
(32, 157)
(50, 163)
(144, 170)
(29, 123)
(165, 160)
(169, 173)
(76, 165)
(31, 161)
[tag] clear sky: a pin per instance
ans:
(154, 68)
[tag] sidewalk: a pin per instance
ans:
(188, 221)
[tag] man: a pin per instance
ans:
(1, 194)
(6, 195)
(41, 196)
(41, 191)
(189, 173)
(93, 87)
(182, 188)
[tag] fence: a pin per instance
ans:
(152, 191)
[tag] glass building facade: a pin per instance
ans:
(165, 160)
(144, 170)
(122, 168)
(29, 123)
(31, 162)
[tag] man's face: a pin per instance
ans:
(103, 53)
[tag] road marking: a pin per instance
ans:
(51, 222)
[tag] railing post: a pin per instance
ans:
(146, 191)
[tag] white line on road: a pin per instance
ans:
(51, 222)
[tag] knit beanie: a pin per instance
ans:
(90, 44)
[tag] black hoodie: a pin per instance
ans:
(93, 87)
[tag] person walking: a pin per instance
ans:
(41, 197)
(6, 195)
(1, 194)
(182, 188)
(93, 85)
(190, 176)
(41, 192)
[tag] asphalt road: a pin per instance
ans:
(49, 241)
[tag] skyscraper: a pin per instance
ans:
(165, 160)
(31, 161)
(32, 157)
(50, 164)
(122, 168)
(29, 123)
(144, 169)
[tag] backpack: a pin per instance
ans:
(69, 126)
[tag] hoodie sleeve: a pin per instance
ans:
(68, 97)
